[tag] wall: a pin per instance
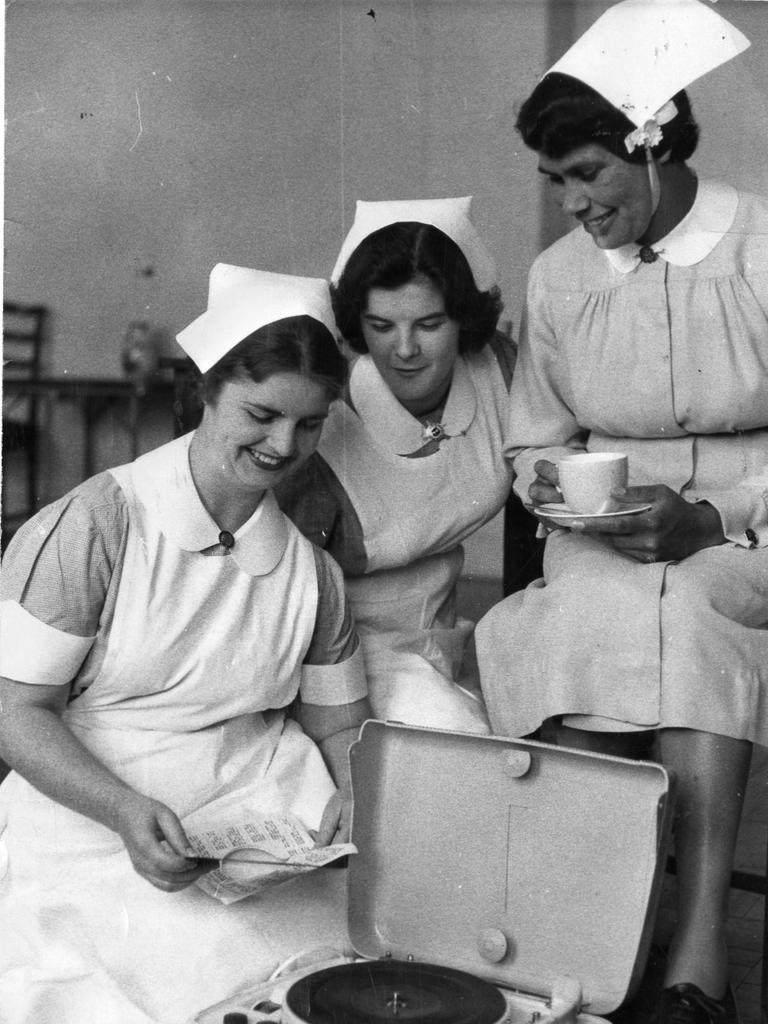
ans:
(149, 139)
(146, 141)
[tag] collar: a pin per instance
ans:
(163, 481)
(391, 426)
(694, 238)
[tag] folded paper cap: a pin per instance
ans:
(639, 53)
(241, 300)
(451, 216)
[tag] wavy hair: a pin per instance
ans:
(563, 113)
(399, 253)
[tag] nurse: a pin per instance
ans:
(169, 636)
(647, 333)
(411, 461)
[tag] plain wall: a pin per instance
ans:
(149, 139)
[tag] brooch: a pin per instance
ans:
(431, 435)
(648, 255)
(433, 432)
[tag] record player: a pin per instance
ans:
(498, 881)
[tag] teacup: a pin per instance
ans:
(587, 479)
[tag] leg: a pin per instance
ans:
(636, 745)
(711, 775)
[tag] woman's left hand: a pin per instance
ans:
(334, 727)
(670, 530)
(336, 821)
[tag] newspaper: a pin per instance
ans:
(254, 854)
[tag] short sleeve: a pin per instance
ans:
(58, 576)
(333, 671)
(315, 500)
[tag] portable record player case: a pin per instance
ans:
(536, 868)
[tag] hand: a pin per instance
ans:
(672, 529)
(335, 824)
(544, 488)
(157, 845)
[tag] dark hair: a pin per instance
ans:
(295, 344)
(397, 254)
(563, 113)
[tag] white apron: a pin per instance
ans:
(413, 644)
(197, 649)
(414, 514)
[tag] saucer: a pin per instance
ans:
(559, 510)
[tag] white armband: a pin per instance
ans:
(342, 683)
(33, 652)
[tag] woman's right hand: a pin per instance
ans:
(157, 844)
(40, 746)
(544, 488)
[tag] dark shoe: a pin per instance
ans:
(687, 1004)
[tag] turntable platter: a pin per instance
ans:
(382, 991)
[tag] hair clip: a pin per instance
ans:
(650, 134)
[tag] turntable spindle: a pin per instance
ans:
(395, 1004)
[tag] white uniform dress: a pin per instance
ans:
(393, 507)
(179, 658)
(667, 361)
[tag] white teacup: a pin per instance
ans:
(587, 479)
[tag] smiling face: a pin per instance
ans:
(608, 196)
(254, 434)
(412, 341)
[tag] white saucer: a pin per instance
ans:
(559, 510)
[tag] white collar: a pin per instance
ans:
(694, 238)
(163, 481)
(391, 426)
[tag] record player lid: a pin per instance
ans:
(510, 859)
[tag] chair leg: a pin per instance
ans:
(32, 463)
(764, 971)
(31, 482)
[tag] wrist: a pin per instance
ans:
(335, 752)
(348, 734)
(122, 808)
(712, 528)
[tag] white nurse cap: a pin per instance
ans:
(241, 300)
(451, 216)
(639, 53)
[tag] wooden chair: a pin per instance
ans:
(24, 329)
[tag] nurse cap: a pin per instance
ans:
(639, 53)
(241, 300)
(451, 216)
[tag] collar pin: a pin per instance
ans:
(433, 431)
(648, 255)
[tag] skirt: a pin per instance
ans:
(624, 645)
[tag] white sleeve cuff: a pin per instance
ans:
(342, 683)
(744, 514)
(33, 652)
